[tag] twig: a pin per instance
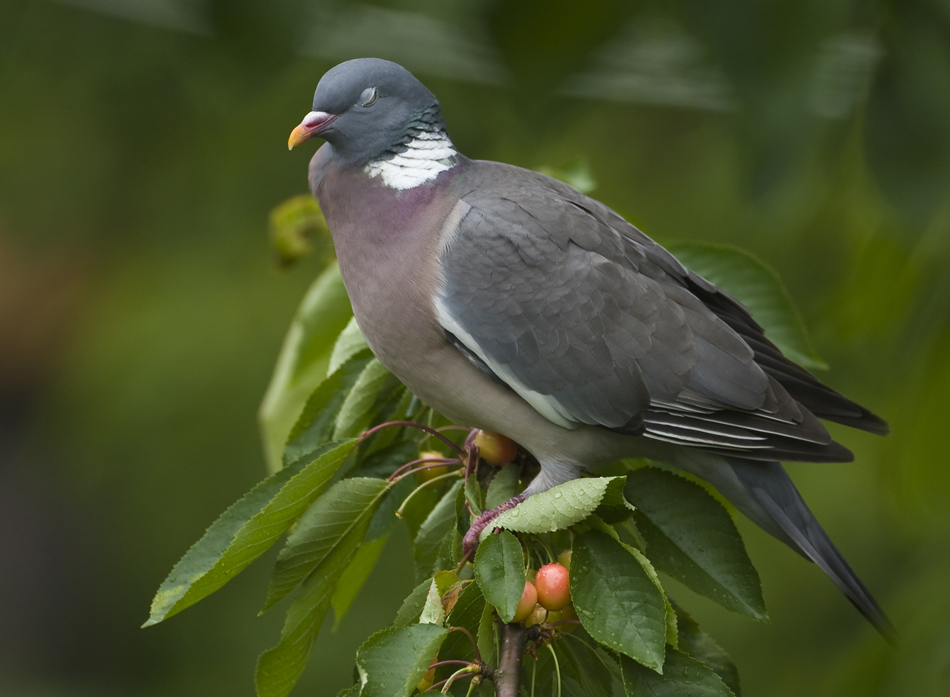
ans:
(507, 678)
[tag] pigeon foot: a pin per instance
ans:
(470, 541)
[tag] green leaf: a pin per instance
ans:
(279, 668)
(758, 287)
(245, 531)
(691, 537)
(433, 530)
(433, 612)
(318, 419)
(682, 675)
(372, 388)
(383, 462)
(581, 673)
(338, 518)
(292, 223)
(503, 486)
(672, 637)
(349, 343)
(475, 497)
(703, 647)
(500, 573)
(412, 606)
(562, 506)
(467, 613)
(392, 662)
(616, 600)
(355, 576)
(487, 637)
(594, 672)
(303, 360)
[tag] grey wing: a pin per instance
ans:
(593, 323)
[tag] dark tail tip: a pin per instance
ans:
(771, 486)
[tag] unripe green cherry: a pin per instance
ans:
(495, 449)
(538, 616)
(529, 599)
(564, 559)
(432, 472)
(552, 583)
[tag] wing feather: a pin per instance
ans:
(593, 323)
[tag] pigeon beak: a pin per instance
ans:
(313, 124)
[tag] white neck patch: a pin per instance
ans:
(426, 155)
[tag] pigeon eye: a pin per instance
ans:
(368, 98)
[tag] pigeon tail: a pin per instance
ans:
(764, 492)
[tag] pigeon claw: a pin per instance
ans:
(470, 541)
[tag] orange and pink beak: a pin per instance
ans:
(312, 125)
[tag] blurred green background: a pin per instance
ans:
(142, 145)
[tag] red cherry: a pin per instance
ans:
(528, 601)
(554, 590)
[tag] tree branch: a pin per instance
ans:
(507, 677)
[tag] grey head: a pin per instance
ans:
(367, 107)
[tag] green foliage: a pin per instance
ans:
(304, 357)
(703, 647)
(499, 570)
(682, 675)
(565, 505)
(616, 600)
(393, 661)
(292, 227)
(245, 531)
(629, 627)
(318, 421)
(690, 536)
(439, 524)
(337, 519)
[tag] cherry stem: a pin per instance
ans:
(468, 555)
(432, 687)
(422, 486)
(431, 462)
(413, 424)
(451, 662)
(478, 655)
(554, 624)
(557, 668)
(469, 671)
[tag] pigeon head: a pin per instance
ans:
(367, 107)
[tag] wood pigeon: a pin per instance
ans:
(511, 302)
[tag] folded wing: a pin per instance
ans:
(591, 322)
